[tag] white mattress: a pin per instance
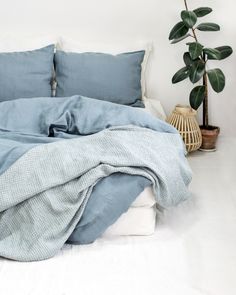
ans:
(145, 199)
(140, 219)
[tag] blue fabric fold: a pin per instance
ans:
(79, 201)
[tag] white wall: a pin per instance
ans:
(114, 20)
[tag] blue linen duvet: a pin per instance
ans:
(69, 167)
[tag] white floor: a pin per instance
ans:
(193, 251)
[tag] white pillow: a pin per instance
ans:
(68, 45)
(154, 107)
(13, 43)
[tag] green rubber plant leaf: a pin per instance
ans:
(211, 27)
(195, 49)
(187, 59)
(217, 79)
(225, 51)
(180, 75)
(180, 39)
(197, 96)
(189, 18)
(202, 11)
(178, 31)
(212, 53)
(196, 71)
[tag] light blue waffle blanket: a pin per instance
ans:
(62, 162)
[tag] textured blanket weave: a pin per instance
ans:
(43, 194)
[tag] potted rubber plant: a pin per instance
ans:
(196, 69)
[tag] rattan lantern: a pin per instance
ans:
(183, 118)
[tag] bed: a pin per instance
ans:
(83, 153)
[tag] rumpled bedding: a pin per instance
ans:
(65, 164)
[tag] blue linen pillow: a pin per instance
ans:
(26, 74)
(114, 78)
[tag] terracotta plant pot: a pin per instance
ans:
(209, 138)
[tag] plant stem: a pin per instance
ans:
(193, 31)
(194, 35)
(205, 101)
(205, 81)
(186, 5)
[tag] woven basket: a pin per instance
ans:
(183, 118)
